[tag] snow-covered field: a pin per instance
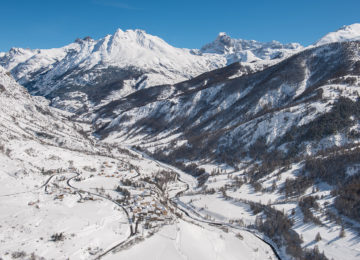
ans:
(184, 240)
(34, 207)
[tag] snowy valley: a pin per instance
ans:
(129, 148)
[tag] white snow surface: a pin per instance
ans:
(188, 241)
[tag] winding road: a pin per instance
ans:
(179, 205)
(111, 200)
(79, 191)
(23, 192)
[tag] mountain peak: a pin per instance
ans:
(137, 36)
(16, 50)
(345, 33)
(119, 31)
(136, 46)
(222, 35)
(220, 45)
(138, 32)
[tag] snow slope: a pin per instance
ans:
(188, 241)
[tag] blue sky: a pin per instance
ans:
(183, 23)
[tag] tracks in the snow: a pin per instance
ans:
(113, 201)
(79, 191)
(23, 192)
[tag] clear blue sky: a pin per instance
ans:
(183, 23)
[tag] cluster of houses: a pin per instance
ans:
(120, 167)
(149, 209)
(142, 205)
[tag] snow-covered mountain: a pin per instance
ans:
(258, 144)
(116, 64)
(90, 73)
(223, 101)
(345, 33)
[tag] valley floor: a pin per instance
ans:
(74, 211)
(71, 209)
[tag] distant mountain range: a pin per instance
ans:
(90, 73)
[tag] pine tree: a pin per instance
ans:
(342, 232)
(318, 237)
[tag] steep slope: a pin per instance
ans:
(29, 118)
(218, 103)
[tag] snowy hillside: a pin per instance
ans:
(26, 117)
(224, 100)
